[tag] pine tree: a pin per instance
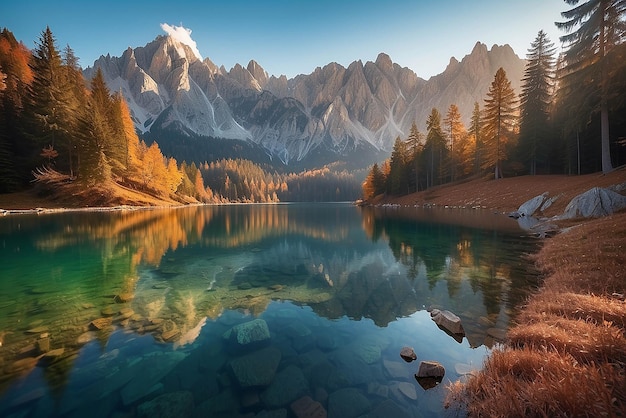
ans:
(476, 139)
(537, 86)
(398, 176)
(51, 116)
(374, 183)
(499, 121)
(128, 138)
(415, 147)
(434, 149)
(77, 100)
(15, 147)
(109, 107)
(596, 27)
(455, 131)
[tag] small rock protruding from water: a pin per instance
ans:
(408, 354)
(430, 374)
(448, 321)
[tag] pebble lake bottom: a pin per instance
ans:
(249, 310)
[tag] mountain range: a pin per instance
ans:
(195, 108)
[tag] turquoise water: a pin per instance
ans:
(228, 311)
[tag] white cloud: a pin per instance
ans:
(182, 35)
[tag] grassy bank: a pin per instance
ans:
(566, 356)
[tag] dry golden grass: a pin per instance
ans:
(537, 383)
(70, 195)
(567, 354)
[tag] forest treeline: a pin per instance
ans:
(558, 124)
(59, 129)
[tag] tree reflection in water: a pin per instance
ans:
(165, 272)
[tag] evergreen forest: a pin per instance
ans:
(570, 117)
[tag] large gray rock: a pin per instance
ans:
(531, 206)
(594, 203)
(258, 368)
(254, 331)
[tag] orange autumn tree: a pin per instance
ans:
(131, 159)
(152, 171)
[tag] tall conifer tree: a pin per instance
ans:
(50, 101)
(537, 89)
(455, 131)
(595, 28)
(434, 149)
(499, 120)
(476, 135)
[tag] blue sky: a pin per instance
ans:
(292, 37)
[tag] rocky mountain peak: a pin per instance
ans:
(332, 113)
(259, 74)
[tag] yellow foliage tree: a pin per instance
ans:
(174, 175)
(152, 171)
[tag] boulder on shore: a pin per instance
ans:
(594, 203)
(531, 206)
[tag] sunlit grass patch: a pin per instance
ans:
(538, 383)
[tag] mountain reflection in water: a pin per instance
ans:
(74, 279)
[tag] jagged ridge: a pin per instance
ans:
(335, 111)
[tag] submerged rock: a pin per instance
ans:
(407, 389)
(101, 323)
(288, 385)
(256, 369)
(306, 407)
(248, 332)
(175, 404)
(387, 409)
(347, 403)
(147, 373)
